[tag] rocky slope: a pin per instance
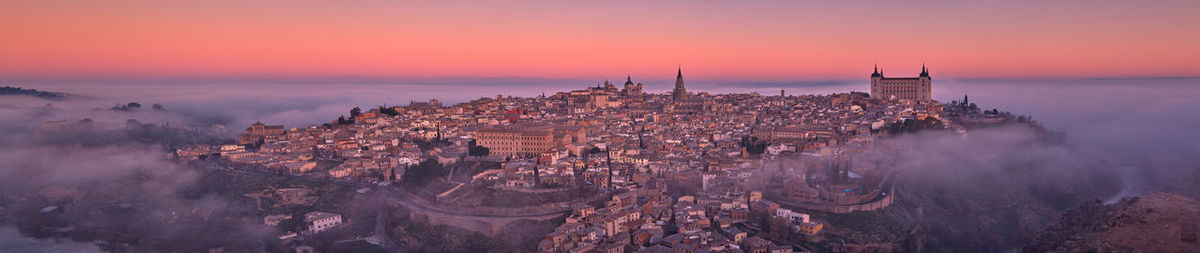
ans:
(1160, 222)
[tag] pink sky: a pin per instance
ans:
(588, 39)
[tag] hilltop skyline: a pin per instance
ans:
(585, 40)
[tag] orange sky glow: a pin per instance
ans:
(591, 39)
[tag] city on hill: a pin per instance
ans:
(310, 126)
(626, 169)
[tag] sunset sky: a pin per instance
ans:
(586, 39)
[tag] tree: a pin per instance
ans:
(753, 145)
(134, 105)
(423, 172)
(295, 224)
(914, 125)
(756, 148)
(355, 112)
(478, 151)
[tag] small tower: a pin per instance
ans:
(926, 82)
(876, 83)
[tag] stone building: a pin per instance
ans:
(527, 140)
(321, 221)
(257, 132)
(912, 88)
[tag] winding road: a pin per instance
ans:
(403, 197)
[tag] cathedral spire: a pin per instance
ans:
(679, 92)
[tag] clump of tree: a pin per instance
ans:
(424, 172)
(476, 150)
(126, 107)
(753, 145)
(294, 224)
(915, 125)
(355, 112)
(342, 120)
(389, 111)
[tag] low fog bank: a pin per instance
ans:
(1009, 163)
(237, 105)
(1143, 128)
(992, 189)
(123, 190)
(987, 190)
(111, 178)
(11, 240)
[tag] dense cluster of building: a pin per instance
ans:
(649, 221)
(686, 171)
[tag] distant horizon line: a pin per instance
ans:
(476, 80)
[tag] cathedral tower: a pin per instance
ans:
(680, 92)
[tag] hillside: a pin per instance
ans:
(1160, 222)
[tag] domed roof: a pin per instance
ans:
(628, 80)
